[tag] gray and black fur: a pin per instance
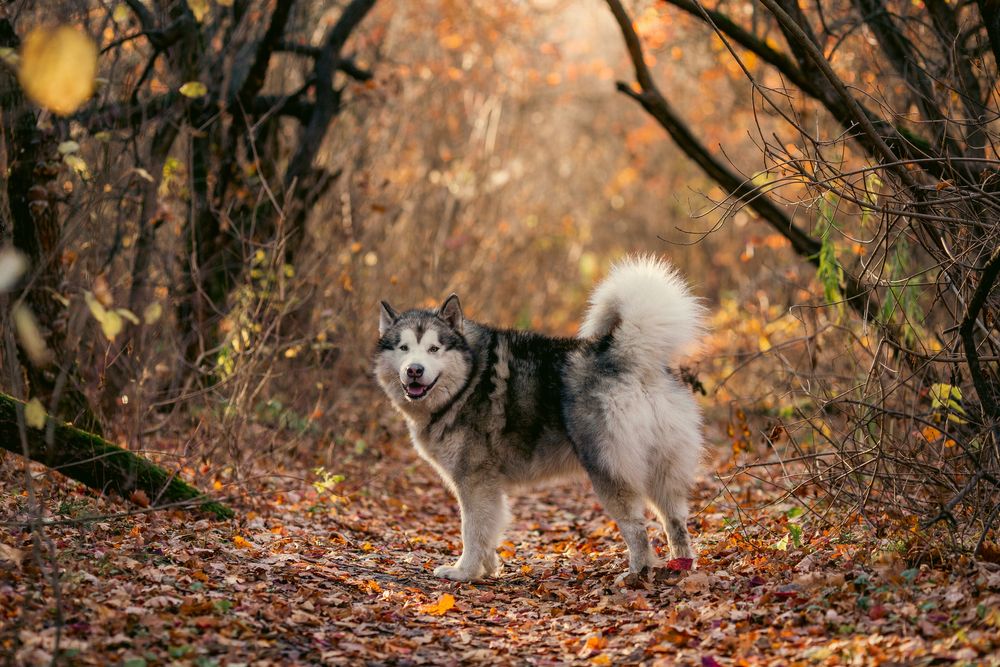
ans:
(493, 409)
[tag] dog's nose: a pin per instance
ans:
(414, 371)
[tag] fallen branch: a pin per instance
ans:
(102, 466)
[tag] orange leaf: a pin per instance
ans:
(930, 433)
(444, 603)
(596, 642)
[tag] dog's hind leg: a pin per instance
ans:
(484, 517)
(626, 505)
(669, 498)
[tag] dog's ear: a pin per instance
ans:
(451, 312)
(386, 318)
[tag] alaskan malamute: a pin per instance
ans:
(496, 409)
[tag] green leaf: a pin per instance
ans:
(829, 271)
(795, 512)
(795, 530)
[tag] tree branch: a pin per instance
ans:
(900, 53)
(967, 332)
(738, 188)
(262, 59)
(809, 79)
(327, 98)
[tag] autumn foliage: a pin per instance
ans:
(203, 202)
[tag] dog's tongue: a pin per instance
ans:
(416, 389)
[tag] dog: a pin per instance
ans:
(493, 409)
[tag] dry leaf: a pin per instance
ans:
(444, 603)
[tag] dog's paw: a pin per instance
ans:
(632, 579)
(455, 573)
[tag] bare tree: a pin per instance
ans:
(927, 177)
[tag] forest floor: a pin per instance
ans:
(342, 574)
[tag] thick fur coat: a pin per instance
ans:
(493, 409)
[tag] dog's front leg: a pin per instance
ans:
(484, 516)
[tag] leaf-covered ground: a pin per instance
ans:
(341, 574)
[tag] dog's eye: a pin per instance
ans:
(404, 348)
(433, 348)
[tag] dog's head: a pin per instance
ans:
(423, 359)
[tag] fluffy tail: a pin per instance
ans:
(648, 310)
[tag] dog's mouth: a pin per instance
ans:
(415, 390)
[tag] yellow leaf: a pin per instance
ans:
(152, 313)
(444, 603)
(199, 8)
(128, 315)
(193, 89)
(9, 56)
(110, 321)
(34, 414)
(782, 544)
(239, 541)
(224, 3)
(602, 659)
(58, 67)
(121, 13)
(79, 165)
(30, 336)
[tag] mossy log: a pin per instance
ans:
(93, 461)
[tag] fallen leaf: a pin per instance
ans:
(439, 608)
(140, 498)
(679, 564)
(11, 555)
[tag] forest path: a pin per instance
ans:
(305, 579)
